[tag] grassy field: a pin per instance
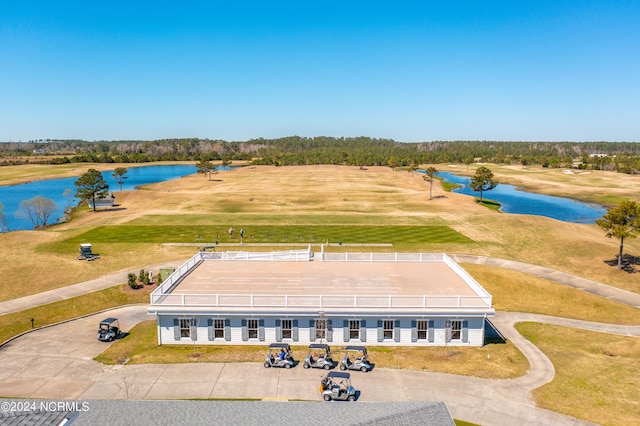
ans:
(349, 205)
(317, 202)
(596, 374)
(514, 291)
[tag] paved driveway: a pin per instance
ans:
(57, 363)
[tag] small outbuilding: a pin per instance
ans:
(108, 201)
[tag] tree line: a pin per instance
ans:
(623, 157)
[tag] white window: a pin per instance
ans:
(454, 329)
(387, 327)
(354, 329)
(321, 329)
(287, 329)
(218, 329)
(185, 326)
(423, 326)
(252, 328)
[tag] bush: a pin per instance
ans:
(143, 277)
(132, 281)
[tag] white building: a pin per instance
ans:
(297, 297)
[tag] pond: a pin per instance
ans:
(515, 201)
(12, 195)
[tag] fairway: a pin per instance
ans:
(302, 205)
(290, 234)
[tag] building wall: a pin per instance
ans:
(403, 333)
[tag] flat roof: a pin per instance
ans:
(323, 278)
(291, 282)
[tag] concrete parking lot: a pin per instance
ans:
(57, 363)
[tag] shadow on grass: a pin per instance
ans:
(122, 335)
(109, 209)
(629, 263)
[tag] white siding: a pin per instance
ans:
(475, 332)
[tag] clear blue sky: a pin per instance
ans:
(235, 70)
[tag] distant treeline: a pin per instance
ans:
(623, 157)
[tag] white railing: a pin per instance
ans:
(288, 255)
(172, 280)
(471, 282)
(162, 294)
(381, 257)
(316, 301)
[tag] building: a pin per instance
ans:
(108, 201)
(300, 297)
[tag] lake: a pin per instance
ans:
(512, 199)
(12, 195)
(515, 201)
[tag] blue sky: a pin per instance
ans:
(408, 70)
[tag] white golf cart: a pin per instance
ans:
(108, 330)
(279, 356)
(356, 358)
(319, 357)
(337, 387)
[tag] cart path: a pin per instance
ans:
(62, 293)
(603, 290)
(57, 363)
(584, 284)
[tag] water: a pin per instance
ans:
(11, 196)
(515, 201)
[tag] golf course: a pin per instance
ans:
(349, 209)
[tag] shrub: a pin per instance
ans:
(143, 277)
(132, 281)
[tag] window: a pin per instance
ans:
(185, 326)
(321, 329)
(252, 327)
(354, 329)
(218, 329)
(454, 329)
(388, 329)
(286, 329)
(422, 330)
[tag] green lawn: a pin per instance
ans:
(347, 234)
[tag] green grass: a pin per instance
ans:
(224, 219)
(448, 186)
(463, 423)
(490, 204)
(347, 234)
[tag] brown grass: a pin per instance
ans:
(596, 374)
(514, 291)
(505, 361)
(312, 195)
(15, 323)
(588, 185)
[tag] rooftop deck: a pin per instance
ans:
(362, 281)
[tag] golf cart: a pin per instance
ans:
(86, 253)
(319, 357)
(337, 387)
(279, 356)
(356, 359)
(108, 330)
